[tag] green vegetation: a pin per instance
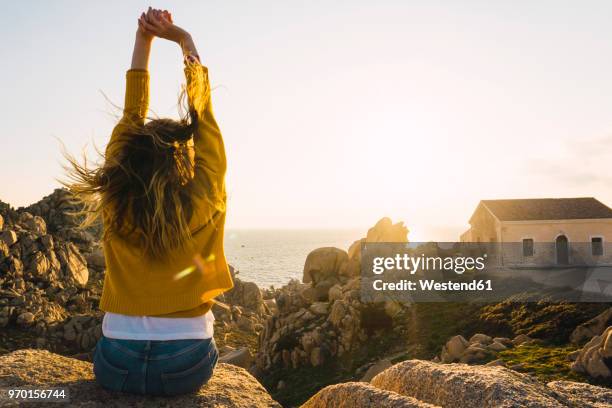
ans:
(550, 321)
(546, 362)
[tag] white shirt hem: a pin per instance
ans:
(149, 336)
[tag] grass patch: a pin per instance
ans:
(547, 363)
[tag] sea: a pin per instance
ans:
(274, 257)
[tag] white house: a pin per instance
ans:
(545, 231)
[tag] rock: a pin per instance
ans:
(594, 357)
(323, 264)
(246, 295)
(460, 385)
(474, 353)
(96, 258)
(321, 289)
(453, 349)
(386, 231)
(376, 368)
(39, 264)
(334, 293)
(34, 224)
(251, 296)
(503, 340)
(360, 395)
(245, 323)
(74, 264)
(241, 357)
(350, 269)
(4, 250)
(316, 357)
(47, 241)
(320, 308)
(25, 319)
(495, 363)
(495, 346)
(520, 339)
(481, 338)
(271, 305)
(354, 251)
(230, 386)
(582, 394)
(338, 311)
(593, 327)
(606, 351)
(9, 237)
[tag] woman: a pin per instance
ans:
(161, 196)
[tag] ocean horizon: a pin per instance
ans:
(275, 256)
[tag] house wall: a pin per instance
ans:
(544, 234)
(484, 227)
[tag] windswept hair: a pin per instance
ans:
(143, 185)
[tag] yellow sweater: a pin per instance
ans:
(173, 287)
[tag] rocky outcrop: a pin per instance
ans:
(459, 386)
(361, 395)
(595, 358)
(478, 348)
(323, 317)
(581, 394)
(592, 328)
(230, 386)
(464, 385)
(46, 282)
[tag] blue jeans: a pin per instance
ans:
(154, 367)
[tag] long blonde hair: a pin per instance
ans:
(142, 186)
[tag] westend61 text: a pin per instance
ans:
(431, 285)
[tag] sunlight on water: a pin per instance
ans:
(273, 257)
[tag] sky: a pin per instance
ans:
(334, 114)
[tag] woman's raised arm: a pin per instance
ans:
(136, 102)
(209, 148)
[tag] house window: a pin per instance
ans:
(597, 246)
(528, 247)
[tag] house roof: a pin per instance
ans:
(533, 209)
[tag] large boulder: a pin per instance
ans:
(593, 327)
(323, 264)
(386, 231)
(583, 394)
(230, 386)
(9, 237)
(595, 357)
(360, 395)
(460, 385)
(33, 223)
(75, 265)
(375, 369)
(453, 349)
